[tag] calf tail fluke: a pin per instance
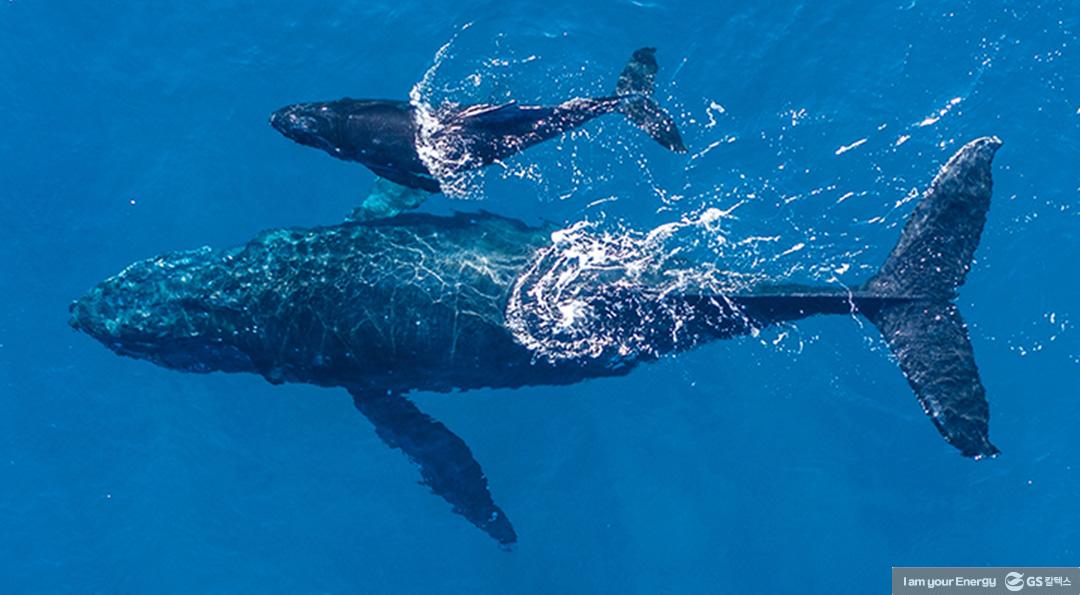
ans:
(635, 92)
(924, 330)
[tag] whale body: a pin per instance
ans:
(417, 148)
(430, 303)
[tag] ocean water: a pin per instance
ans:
(797, 461)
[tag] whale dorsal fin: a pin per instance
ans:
(446, 464)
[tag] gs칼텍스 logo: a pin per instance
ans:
(1014, 581)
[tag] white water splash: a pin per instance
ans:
(444, 155)
(846, 148)
(596, 294)
(587, 157)
(939, 114)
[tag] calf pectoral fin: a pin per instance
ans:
(387, 199)
(446, 464)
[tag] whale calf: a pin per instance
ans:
(429, 303)
(416, 148)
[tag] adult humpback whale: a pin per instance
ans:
(426, 303)
(419, 149)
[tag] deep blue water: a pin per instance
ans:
(742, 467)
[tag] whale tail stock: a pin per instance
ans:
(635, 94)
(910, 299)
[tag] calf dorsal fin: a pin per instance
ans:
(484, 109)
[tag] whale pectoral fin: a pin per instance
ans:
(387, 199)
(446, 464)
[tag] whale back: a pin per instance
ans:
(412, 302)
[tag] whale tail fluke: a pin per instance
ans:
(919, 322)
(635, 92)
(910, 299)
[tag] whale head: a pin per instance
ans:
(319, 125)
(167, 310)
